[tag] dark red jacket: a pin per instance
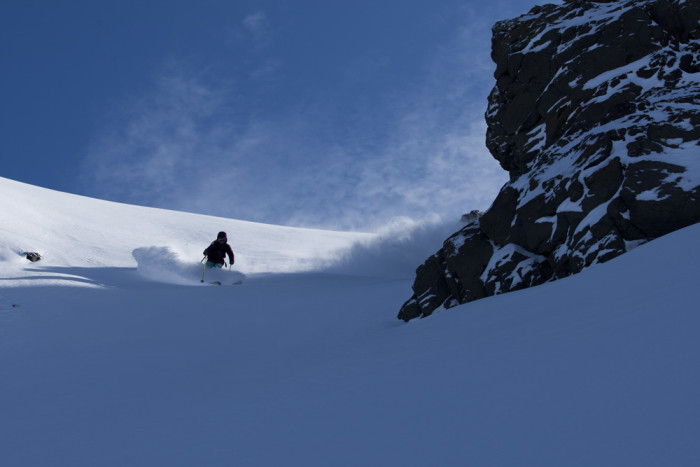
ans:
(217, 251)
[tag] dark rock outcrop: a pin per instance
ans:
(596, 116)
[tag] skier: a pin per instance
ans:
(217, 251)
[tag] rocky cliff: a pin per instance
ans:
(595, 114)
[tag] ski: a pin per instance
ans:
(221, 283)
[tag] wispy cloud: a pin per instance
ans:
(189, 145)
(258, 26)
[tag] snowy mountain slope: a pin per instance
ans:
(311, 368)
(75, 231)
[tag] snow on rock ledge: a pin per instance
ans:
(596, 116)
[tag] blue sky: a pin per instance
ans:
(316, 113)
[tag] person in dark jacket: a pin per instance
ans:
(217, 251)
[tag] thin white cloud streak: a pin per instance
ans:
(257, 23)
(258, 26)
(158, 142)
(185, 146)
(435, 160)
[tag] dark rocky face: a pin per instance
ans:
(595, 114)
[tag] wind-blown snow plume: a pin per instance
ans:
(395, 250)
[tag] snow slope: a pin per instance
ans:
(102, 366)
(72, 230)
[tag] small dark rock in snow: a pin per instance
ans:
(33, 256)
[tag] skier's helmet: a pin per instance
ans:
(221, 237)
